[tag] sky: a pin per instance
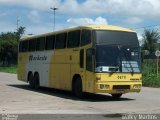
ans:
(38, 18)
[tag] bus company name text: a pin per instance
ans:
(37, 58)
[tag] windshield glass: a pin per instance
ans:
(115, 37)
(117, 58)
(116, 51)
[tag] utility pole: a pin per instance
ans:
(54, 9)
(17, 22)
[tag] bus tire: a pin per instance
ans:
(116, 95)
(36, 81)
(78, 88)
(31, 81)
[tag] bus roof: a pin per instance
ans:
(92, 27)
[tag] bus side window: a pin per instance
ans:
(32, 45)
(61, 40)
(85, 37)
(73, 39)
(89, 60)
(82, 58)
(50, 41)
(40, 45)
(25, 46)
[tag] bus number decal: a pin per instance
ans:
(121, 77)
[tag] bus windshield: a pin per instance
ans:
(117, 59)
(117, 52)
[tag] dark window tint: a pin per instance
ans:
(23, 46)
(73, 39)
(89, 60)
(60, 41)
(116, 37)
(50, 41)
(40, 45)
(32, 45)
(81, 58)
(85, 37)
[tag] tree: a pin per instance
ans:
(9, 46)
(20, 32)
(150, 39)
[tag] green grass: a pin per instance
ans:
(12, 69)
(149, 72)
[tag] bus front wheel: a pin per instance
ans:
(78, 88)
(116, 95)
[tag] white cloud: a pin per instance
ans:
(85, 21)
(3, 14)
(34, 4)
(133, 12)
(7, 27)
(34, 16)
(129, 8)
(133, 20)
(40, 29)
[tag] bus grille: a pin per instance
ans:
(120, 87)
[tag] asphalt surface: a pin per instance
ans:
(16, 98)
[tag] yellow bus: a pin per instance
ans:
(92, 59)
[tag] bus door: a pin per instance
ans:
(89, 70)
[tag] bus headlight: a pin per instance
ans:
(137, 86)
(104, 86)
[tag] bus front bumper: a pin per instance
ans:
(118, 88)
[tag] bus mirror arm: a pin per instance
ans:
(93, 51)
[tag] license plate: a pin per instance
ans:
(120, 91)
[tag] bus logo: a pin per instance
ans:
(37, 58)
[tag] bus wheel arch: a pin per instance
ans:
(36, 80)
(77, 86)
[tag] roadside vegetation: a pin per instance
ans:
(9, 47)
(149, 72)
(151, 43)
(11, 69)
(9, 50)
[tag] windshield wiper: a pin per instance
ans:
(132, 71)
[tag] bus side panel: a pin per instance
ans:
(22, 64)
(59, 70)
(38, 62)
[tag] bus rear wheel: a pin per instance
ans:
(31, 81)
(116, 95)
(78, 88)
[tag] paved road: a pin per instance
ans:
(17, 98)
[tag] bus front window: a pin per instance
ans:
(107, 58)
(117, 58)
(116, 51)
